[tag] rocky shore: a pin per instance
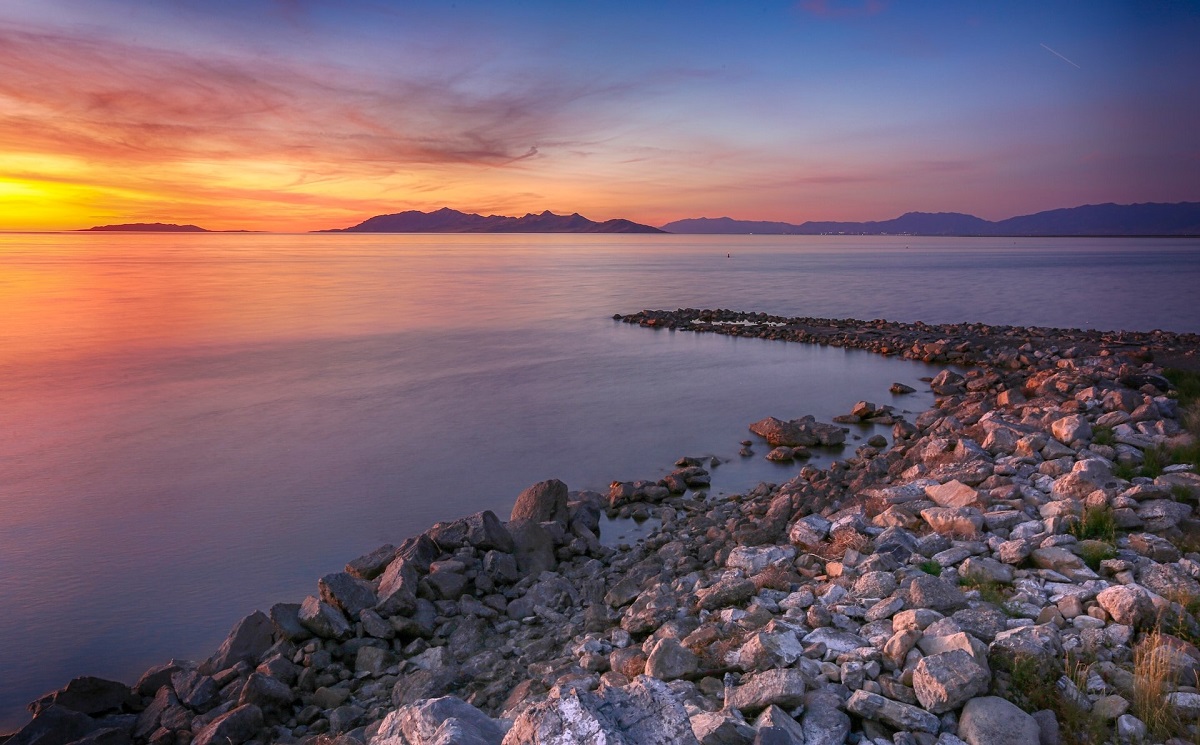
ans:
(1017, 564)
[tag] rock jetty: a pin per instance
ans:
(995, 572)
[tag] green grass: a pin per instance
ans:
(1125, 471)
(929, 566)
(1093, 552)
(1103, 436)
(1097, 523)
(989, 592)
(1154, 461)
(1186, 382)
(1032, 687)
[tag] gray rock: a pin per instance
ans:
(196, 691)
(927, 591)
(157, 677)
(369, 566)
(839, 641)
(323, 620)
(1131, 730)
(892, 713)
(440, 721)
(266, 693)
(823, 722)
(754, 559)
(782, 687)
(87, 695)
(875, 585)
(232, 728)
(990, 720)
(943, 682)
(150, 717)
(54, 725)
(983, 569)
(543, 502)
(669, 660)
(1039, 644)
(642, 713)
(286, 618)
(721, 728)
(533, 547)
(784, 729)
(347, 593)
(398, 587)
(725, 592)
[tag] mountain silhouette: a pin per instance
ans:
(146, 227)
(447, 220)
(1148, 219)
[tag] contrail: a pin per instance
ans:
(1056, 54)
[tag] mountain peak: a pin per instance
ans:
(446, 220)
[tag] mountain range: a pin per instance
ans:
(447, 220)
(146, 227)
(1146, 219)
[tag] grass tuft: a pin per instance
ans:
(929, 566)
(1151, 678)
(1097, 523)
(1103, 436)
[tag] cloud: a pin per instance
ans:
(122, 103)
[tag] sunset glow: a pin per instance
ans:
(301, 115)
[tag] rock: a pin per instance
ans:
(954, 494)
(875, 585)
(753, 559)
(986, 570)
(1086, 476)
(439, 721)
(54, 725)
(783, 730)
(1109, 708)
(900, 389)
(533, 547)
(642, 713)
(347, 593)
(86, 695)
(990, 720)
(926, 591)
(765, 649)
(323, 620)
(956, 522)
(721, 728)
(398, 587)
(1038, 644)
(892, 713)
(543, 502)
(1064, 562)
(946, 681)
(839, 641)
(725, 592)
(266, 693)
(286, 619)
(1071, 429)
(369, 566)
(232, 728)
(1127, 604)
(804, 432)
(781, 687)
(669, 660)
(1153, 547)
(1131, 730)
(652, 608)
(823, 722)
(196, 691)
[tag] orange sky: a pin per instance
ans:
(294, 116)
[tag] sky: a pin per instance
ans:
(294, 115)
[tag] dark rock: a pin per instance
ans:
(534, 547)
(266, 693)
(155, 678)
(249, 639)
(369, 566)
(347, 593)
(323, 620)
(927, 591)
(286, 617)
(53, 725)
(87, 695)
(232, 728)
(195, 690)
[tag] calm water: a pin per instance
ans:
(195, 426)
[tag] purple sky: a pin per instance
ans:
(303, 114)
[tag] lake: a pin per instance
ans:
(198, 426)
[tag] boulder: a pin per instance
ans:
(54, 725)
(1071, 429)
(347, 593)
(990, 720)
(956, 522)
(669, 660)
(782, 687)
(943, 682)
(323, 620)
(753, 559)
(369, 566)
(1127, 604)
(543, 502)
(927, 591)
(779, 726)
(438, 721)
(892, 713)
(87, 695)
(641, 713)
(725, 592)
(721, 728)
(824, 722)
(232, 728)
(533, 546)
(954, 494)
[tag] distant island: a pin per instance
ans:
(1149, 219)
(447, 220)
(146, 227)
